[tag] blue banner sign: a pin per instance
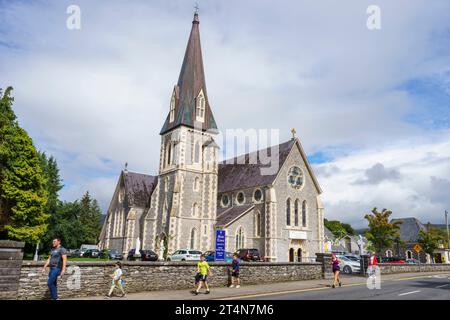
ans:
(219, 255)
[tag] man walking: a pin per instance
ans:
(57, 262)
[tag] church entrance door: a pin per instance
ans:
(291, 255)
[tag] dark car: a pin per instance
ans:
(249, 254)
(91, 253)
(111, 254)
(146, 255)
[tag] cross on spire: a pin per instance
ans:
(196, 8)
(293, 133)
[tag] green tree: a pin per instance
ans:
(90, 215)
(23, 196)
(429, 240)
(381, 233)
(339, 229)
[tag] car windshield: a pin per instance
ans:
(113, 251)
(343, 258)
(195, 252)
(228, 254)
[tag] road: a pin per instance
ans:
(435, 287)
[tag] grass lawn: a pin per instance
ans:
(88, 259)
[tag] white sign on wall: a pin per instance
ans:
(301, 235)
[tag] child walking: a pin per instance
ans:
(203, 271)
(117, 280)
(235, 272)
(336, 270)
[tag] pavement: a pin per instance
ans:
(435, 285)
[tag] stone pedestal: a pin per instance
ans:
(325, 260)
(11, 255)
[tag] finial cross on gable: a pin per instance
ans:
(293, 133)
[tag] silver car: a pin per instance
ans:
(348, 266)
(185, 255)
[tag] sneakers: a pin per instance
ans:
(340, 284)
(207, 292)
(194, 292)
(232, 286)
(333, 286)
(107, 297)
(238, 286)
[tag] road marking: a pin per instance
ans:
(404, 294)
(444, 285)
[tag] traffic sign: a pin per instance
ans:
(417, 248)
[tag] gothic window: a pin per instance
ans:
(196, 183)
(169, 151)
(295, 177)
(240, 198)
(296, 208)
(257, 195)
(258, 224)
(304, 212)
(200, 110)
(195, 210)
(288, 212)
(240, 239)
(193, 241)
(197, 153)
(172, 108)
(225, 200)
(388, 253)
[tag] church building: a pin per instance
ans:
(194, 194)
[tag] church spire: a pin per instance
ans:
(190, 104)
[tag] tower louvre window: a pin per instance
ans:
(200, 108)
(172, 108)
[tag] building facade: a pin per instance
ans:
(280, 213)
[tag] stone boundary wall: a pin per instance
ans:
(11, 254)
(389, 268)
(94, 278)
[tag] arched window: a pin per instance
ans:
(304, 212)
(296, 208)
(388, 253)
(258, 224)
(193, 242)
(169, 153)
(240, 239)
(408, 254)
(196, 183)
(172, 108)
(288, 212)
(200, 112)
(195, 210)
(240, 198)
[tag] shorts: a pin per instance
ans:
(235, 274)
(199, 277)
(336, 269)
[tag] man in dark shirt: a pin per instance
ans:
(57, 262)
(235, 272)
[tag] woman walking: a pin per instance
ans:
(336, 270)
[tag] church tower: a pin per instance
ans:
(183, 206)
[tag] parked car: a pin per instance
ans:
(185, 255)
(392, 260)
(146, 255)
(76, 253)
(249, 254)
(111, 254)
(348, 266)
(412, 261)
(210, 256)
(353, 258)
(91, 253)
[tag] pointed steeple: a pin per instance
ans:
(190, 92)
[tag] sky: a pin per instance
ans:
(371, 107)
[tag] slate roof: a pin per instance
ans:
(241, 176)
(190, 82)
(138, 188)
(328, 234)
(227, 215)
(409, 229)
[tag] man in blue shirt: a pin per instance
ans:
(235, 272)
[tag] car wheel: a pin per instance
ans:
(347, 270)
(183, 259)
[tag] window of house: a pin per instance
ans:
(200, 110)
(240, 239)
(408, 254)
(388, 253)
(257, 195)
(304, 213)
(225, 200)
(172, 108)
(258, 224)
(296, 208)
(240, 198)
(193, 238)
(288, 212)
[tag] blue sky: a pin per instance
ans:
(363, 102)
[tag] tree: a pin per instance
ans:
(381, 233)
(429, 240)
(90, 216)
(339, 229)
(53, 181)
(22, 183)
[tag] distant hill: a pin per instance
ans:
(361, 231)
